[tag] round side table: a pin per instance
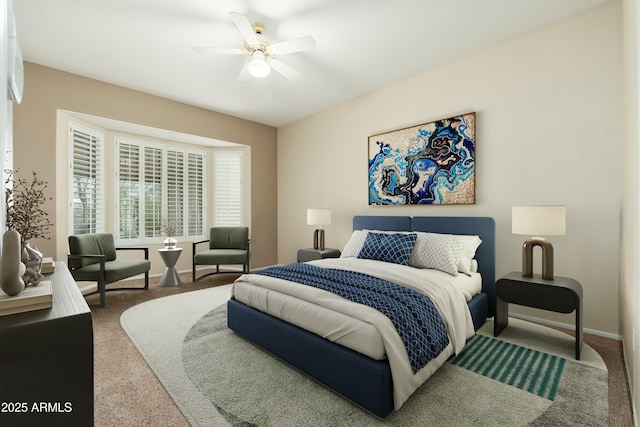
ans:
(170, 258)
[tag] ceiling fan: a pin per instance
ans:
(263, 55)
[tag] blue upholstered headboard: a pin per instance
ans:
(485, 227)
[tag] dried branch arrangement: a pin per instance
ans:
(24, 200)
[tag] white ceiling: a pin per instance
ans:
(361, 45)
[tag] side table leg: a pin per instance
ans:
(578, 330)
(170, 278)
(501, 319)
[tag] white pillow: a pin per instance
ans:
(438, 251)
(474, 265)
(354, 245)
(470, 245)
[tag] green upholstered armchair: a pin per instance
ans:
(92, 257)
(227, 246)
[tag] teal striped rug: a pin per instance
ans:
(529, 370)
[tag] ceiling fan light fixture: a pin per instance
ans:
(263, 54)
(258, 66)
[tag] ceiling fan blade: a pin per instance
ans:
(245, 28)
(284, 69)
(295, 45)
(244, 73)
(222, 50)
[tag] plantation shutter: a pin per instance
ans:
(195, 194)
(152, 192)
(175, 190)
(228, 208)
(128, 190)
(87, 180)
(159, 186)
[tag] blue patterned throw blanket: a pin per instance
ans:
(413, 314)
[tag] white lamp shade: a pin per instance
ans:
(539, 220)
(258, 66)
(318, 216)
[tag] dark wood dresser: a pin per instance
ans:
(46, 360)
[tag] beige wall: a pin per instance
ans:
(36, 148)
(630, 272)
(548, 108)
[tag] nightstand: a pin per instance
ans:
(310, 254)
(561, 295)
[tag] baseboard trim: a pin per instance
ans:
(566, 326)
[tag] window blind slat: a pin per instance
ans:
(86, 180)
(228, 209)
(128, 191)
(195, 194)
(175, 189)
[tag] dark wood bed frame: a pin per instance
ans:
(362, 380)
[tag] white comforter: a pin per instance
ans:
(448, 299)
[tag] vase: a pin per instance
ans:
(170, 242)
(11, 268)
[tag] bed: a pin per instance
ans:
(361, 375)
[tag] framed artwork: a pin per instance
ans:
(428, 164)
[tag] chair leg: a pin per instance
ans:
(146, 280)
(102, 289)
(246, 268)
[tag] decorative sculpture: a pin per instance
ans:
(11, 268)
(32, 259)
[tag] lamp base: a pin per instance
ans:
(547, 257)
(318, 238)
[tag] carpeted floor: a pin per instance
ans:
(128, 393)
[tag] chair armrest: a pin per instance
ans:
(131, 248)
(197, 243)
(84, 256)
(100, 257)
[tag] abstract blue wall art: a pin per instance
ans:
(429, 164)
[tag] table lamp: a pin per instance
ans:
(318, 217)
(538, 221)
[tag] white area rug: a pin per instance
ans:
(159, 327)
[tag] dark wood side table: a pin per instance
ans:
(310, 254)
(46, 360)
(561, 295)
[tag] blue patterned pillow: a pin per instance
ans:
(395, 248)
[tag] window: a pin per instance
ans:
(86, 180)
(228, 206)
(151, 184)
